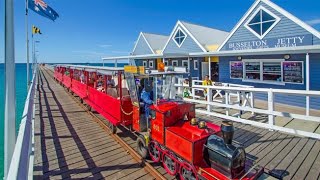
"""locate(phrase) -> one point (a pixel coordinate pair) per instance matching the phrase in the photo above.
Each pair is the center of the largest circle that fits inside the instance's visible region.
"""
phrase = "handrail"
(21, 159)
(245, 103)
(282, 91)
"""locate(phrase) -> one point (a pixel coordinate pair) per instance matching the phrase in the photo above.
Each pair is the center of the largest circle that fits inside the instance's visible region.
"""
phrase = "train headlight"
(194, 121)
(202, 125)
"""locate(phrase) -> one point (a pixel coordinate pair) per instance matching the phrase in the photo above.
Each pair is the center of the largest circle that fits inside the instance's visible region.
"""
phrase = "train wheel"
(141, 147)
(169, 165)
(154, 152)
(81, 100)
(187, 174)
(112, 127)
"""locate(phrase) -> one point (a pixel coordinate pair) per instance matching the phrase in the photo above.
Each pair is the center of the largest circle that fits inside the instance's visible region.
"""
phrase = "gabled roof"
(154, 41)
(203, 36)
(277, 8)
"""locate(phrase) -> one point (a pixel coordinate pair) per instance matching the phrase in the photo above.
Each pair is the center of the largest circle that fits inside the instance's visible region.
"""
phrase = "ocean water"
(21, 94)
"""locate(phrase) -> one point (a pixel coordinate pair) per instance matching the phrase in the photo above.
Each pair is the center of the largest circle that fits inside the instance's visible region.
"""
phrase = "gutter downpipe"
(209, 67)
(10, 87)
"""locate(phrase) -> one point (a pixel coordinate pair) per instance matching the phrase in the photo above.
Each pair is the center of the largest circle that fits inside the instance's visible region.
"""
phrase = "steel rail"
(147, 166)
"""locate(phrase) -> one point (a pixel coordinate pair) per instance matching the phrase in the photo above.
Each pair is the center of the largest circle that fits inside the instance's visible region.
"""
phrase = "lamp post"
(10, 87)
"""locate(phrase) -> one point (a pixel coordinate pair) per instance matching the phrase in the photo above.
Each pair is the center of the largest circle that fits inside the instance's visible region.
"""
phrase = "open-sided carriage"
(102, 88)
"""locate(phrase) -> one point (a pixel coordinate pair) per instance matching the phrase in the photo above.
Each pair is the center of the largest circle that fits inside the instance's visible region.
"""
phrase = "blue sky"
(90, 29)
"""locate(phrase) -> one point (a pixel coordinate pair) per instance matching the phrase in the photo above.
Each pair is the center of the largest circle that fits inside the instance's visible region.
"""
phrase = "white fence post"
(270, 107)
(227, 102)
(251, 101)
(209, 98)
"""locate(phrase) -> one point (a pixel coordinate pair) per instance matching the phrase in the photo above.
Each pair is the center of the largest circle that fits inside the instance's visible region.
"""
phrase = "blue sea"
(21, 93)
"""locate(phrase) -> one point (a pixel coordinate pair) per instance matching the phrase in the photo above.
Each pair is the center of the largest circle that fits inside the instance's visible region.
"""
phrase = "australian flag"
(40, 7)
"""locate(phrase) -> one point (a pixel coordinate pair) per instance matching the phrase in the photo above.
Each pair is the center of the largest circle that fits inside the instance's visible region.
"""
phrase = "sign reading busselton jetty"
(290, 41)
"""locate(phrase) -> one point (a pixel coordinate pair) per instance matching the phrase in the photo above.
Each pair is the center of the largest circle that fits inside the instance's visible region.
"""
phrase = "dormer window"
(179, 37)
(261, 22)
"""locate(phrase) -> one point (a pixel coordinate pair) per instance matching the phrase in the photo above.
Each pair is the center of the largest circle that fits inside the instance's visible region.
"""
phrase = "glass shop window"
(252, 71)
(272, 71)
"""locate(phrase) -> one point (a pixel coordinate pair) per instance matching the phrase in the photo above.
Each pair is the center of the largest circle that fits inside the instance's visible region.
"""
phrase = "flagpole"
(10, 87)
(32, 53)
(27, 44)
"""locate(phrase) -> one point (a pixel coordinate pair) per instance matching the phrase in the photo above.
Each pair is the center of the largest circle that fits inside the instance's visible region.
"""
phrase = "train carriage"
(110, 98)
(58, 73)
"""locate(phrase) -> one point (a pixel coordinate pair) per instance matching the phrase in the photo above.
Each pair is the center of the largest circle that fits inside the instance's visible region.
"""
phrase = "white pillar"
(116, 63)
(10, 87)
(307, 84)
(210, 67)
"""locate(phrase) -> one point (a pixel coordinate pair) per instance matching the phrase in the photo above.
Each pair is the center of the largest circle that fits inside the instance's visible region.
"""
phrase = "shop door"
(215, 71)
(204, 69)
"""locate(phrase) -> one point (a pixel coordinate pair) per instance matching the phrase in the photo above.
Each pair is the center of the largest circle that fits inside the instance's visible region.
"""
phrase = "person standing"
(206, 82)
(147, 99)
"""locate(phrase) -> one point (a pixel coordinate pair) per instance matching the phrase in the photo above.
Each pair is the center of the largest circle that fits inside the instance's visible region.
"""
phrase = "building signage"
(289, 41)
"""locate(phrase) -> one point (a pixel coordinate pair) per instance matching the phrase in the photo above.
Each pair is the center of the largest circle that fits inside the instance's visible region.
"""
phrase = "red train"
(187, 148)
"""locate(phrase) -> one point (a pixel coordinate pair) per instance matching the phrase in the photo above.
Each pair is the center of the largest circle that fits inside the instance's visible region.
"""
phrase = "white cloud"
(313, 22)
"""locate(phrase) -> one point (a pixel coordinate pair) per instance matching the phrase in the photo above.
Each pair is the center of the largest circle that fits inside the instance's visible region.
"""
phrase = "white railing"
(21, 166)
(244, 103)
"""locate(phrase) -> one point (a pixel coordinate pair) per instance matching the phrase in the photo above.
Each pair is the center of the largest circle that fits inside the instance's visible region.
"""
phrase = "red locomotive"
(172, 135)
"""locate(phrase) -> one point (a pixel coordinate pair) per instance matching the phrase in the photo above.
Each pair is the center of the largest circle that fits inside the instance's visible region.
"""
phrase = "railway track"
(123, 136)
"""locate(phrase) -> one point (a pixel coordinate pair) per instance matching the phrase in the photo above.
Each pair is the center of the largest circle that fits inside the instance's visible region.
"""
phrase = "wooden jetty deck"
(68, 144)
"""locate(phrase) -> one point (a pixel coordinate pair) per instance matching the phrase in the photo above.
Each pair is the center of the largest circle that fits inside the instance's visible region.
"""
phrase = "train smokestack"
(227, 130)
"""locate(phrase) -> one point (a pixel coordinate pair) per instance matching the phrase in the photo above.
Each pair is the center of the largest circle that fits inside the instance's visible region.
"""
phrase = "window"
(166, 63)
(195, 65)
(263, 70)
(272, 71)
(293, 72)
(252, 70)
(179, 37)
(236, 69)
(150, 64)
(185, 64)
(261, 22)
(144, 63)
(175, 63)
